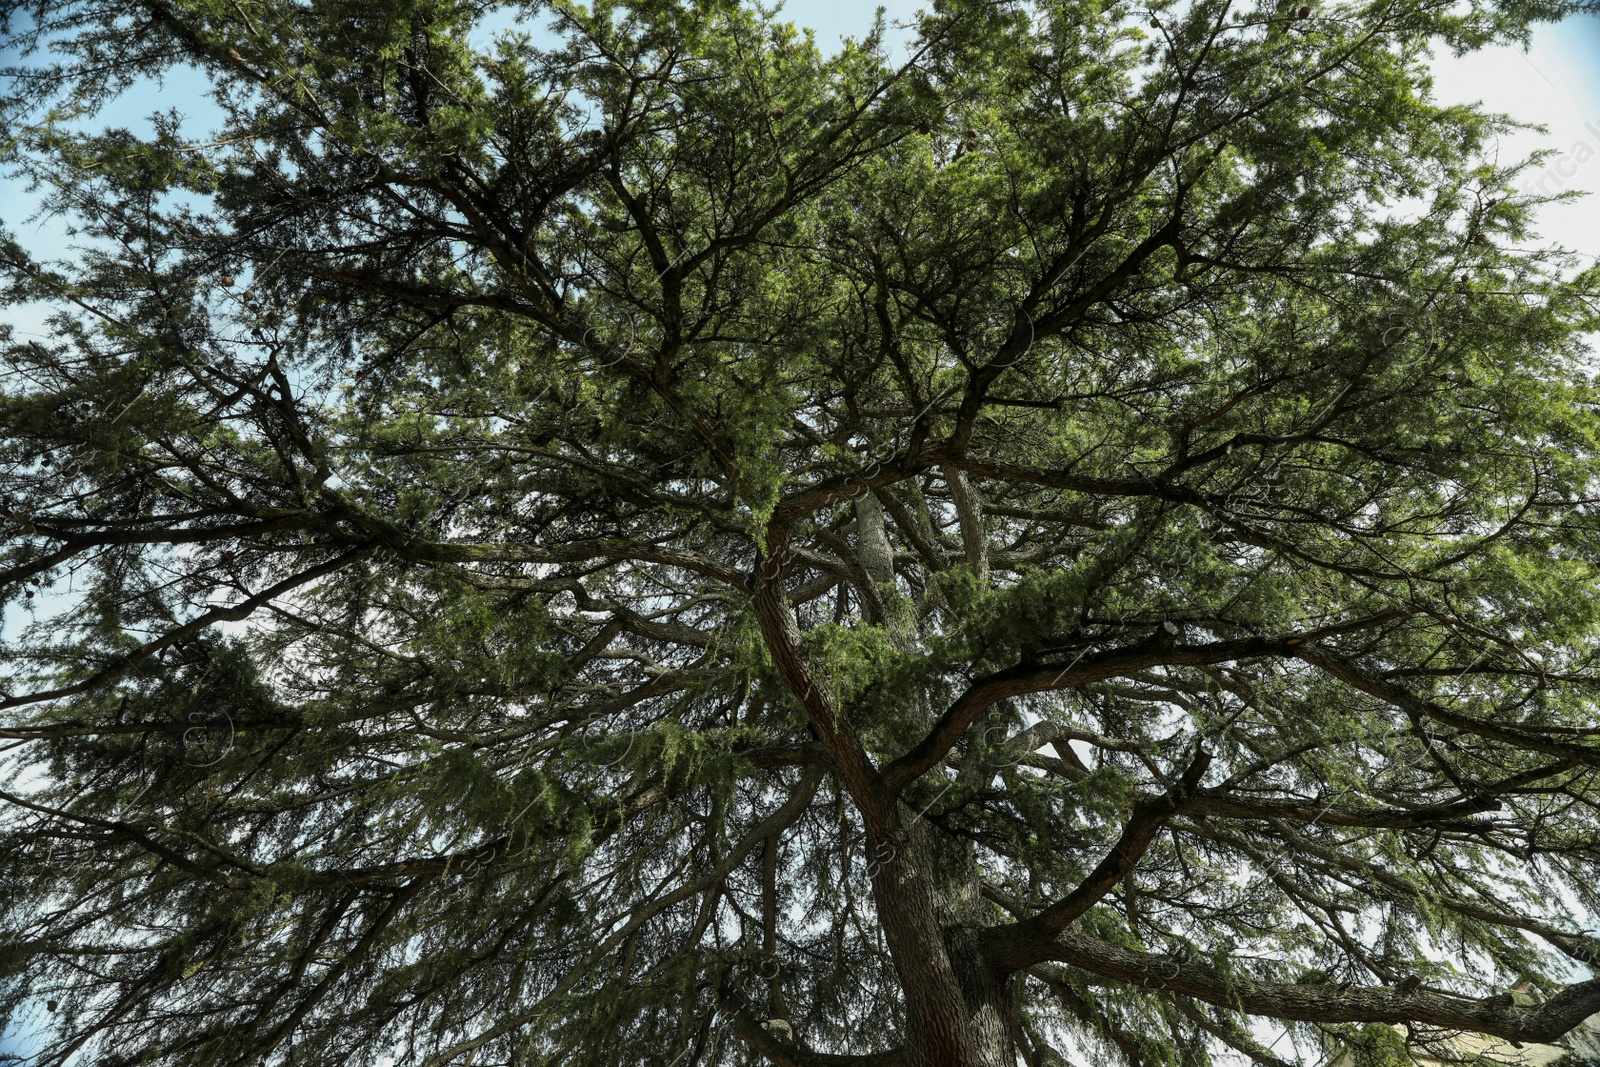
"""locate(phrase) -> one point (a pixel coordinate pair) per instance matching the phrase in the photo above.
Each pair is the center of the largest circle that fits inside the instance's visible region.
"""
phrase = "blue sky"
(1557, 83)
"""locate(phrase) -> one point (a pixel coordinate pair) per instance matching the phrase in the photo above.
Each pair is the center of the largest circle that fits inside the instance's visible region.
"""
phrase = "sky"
(1555, 83)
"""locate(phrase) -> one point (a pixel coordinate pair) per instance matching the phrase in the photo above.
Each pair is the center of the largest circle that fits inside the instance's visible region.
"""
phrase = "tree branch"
(749, 1030)
(1543, 1022)
(1029, 678)
(1016, 946)
(1356, 678)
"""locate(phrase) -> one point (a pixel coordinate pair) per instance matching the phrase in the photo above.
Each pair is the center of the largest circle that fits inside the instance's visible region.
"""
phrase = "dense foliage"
(619, 536)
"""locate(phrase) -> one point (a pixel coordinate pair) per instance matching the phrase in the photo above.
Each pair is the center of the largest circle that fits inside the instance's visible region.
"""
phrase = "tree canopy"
(619, 535)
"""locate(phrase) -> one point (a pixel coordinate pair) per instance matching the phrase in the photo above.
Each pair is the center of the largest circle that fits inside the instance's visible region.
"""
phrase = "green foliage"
(1374, 1045)
(445, 618)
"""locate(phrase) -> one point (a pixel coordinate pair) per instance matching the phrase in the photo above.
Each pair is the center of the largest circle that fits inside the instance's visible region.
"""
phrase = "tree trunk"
(957, 1006)
(988, 999)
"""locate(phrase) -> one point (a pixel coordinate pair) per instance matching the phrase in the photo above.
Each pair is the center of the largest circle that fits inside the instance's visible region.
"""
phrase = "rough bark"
(1496, 1015)
(969, 512)
(958, 1011)
(876, 557)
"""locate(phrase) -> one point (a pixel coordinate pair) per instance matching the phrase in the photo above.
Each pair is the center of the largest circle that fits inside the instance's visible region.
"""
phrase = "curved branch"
(833, 729)
(779, 1053)
(1033, 678)
(229, 614)
(1019, 945)
(1029, 678)
(1356, 678)
(1496, 1015)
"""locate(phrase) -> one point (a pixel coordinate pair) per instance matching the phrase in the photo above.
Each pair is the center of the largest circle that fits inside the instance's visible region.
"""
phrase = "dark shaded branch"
(1453, 816)
(1393, 695)
(780, 1053)
(198, 623)
(1031, 678)
(833, 729)
(1543, 1022)
(575, 552)
(1028, 678)
(1016, 946)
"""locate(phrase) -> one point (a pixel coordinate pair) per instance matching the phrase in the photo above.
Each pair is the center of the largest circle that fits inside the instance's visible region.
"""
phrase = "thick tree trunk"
(988, 998)
(958, 1012)
(956, 1008)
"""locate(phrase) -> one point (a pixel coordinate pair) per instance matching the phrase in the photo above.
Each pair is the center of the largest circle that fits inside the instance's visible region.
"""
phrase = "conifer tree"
(617, 535)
